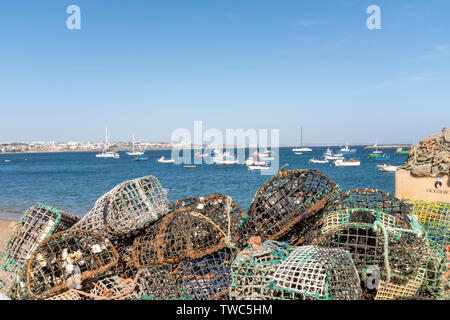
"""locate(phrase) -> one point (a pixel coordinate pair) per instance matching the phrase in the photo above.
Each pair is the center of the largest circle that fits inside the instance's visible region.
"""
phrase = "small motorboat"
(347, 163)
(190, 167)
(313, 160)
(254, 162)
(164, 160)
(401, 151)
(299, 153)
(7, 160)
(387, 168)
(226, 162)
(140, 158)
(260, 167)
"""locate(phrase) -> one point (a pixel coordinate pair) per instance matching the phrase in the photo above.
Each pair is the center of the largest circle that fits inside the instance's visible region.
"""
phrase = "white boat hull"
(341, 163)
(252, 168)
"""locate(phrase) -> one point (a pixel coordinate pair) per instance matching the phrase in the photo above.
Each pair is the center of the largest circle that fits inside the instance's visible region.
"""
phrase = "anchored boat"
(164, 160)
(106, 153)
(301, 148)
(313, 160)
(347, 163)
(135, 152)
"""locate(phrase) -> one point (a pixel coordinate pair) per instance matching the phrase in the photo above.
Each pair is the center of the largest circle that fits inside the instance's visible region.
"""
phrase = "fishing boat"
(336, 156)
(313, 160)
(135, 152)
(164, 160)
(347, 150)
(347, 163)
(301, 148)
(106, 153)
(387, 168)
(140, 158)
(328, 153)
(401, 151)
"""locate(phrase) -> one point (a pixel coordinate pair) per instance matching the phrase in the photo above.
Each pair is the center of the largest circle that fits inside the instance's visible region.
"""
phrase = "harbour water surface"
(74, 181)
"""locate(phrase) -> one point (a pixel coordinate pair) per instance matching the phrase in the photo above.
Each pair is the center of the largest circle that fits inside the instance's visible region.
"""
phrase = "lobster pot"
(435, 217)
(318, 273)
(158, 282)
(206, 278)
(38, 223)
(285, 200)
(126, 209)
(67, 259)
(189, 233)
(373, 242)
(253, 269)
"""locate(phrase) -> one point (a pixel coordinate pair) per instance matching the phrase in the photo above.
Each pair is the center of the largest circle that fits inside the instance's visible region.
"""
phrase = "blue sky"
(150, 67)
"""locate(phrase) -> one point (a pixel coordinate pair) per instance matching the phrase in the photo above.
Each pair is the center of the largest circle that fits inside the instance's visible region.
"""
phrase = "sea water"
(74, 181)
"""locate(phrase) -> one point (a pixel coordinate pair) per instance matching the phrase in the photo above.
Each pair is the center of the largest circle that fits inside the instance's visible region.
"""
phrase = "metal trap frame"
(127, 208)
(190, 232)
(66, 260)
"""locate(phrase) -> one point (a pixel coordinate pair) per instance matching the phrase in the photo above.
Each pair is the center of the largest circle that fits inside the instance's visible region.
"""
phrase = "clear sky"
(151, 66)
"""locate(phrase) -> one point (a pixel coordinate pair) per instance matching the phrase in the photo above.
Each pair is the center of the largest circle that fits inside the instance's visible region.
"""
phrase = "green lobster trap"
(278, 271)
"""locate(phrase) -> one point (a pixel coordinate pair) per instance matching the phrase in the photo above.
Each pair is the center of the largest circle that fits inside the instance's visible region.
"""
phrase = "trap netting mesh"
(158, 282)
(285, 200)
(212, 224)
(127, 208)
(206, 278)
(319, 273)
(9, 274)
(277, 271)
(66, 260)
(105, 287)
(125, 267)
(38, 223)
(435, 218)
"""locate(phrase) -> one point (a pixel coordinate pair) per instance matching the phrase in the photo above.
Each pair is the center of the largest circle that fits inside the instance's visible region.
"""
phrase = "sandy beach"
(5, 227)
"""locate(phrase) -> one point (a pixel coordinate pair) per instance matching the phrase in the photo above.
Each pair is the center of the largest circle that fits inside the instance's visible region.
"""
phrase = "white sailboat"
(135, 152)
(106, 153)
(301, 148)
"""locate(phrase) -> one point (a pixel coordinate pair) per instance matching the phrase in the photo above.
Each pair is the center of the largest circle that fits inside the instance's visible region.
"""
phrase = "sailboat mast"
(301, 136)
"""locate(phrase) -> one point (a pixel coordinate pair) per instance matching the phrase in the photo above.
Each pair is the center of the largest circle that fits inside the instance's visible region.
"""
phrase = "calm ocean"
(74, 181)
